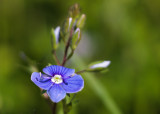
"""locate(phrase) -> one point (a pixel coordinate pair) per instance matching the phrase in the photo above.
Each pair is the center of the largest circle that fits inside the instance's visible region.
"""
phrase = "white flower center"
(57, 79)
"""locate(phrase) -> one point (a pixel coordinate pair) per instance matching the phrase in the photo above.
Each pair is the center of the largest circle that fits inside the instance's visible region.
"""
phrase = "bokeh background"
(127, 32)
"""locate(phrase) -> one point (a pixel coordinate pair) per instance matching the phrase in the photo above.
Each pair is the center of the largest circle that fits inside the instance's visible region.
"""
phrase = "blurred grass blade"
(59, 108)
(98, 88)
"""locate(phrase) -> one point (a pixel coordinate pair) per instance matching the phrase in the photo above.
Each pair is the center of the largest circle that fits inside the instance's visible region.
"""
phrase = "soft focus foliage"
(123, 31)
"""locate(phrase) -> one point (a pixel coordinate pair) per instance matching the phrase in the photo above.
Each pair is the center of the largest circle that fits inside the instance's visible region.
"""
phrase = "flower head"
(58, 81)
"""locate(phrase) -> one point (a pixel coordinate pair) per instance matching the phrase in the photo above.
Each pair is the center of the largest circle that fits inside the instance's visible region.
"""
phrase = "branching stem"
(67, 47)
(70, 55)
(55, 57)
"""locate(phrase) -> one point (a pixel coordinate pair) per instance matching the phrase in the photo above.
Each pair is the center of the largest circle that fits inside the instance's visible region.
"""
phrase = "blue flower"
(58, 81)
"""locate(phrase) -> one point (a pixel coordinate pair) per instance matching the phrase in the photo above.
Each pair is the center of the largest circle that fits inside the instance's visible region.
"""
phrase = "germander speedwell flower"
(58, 81)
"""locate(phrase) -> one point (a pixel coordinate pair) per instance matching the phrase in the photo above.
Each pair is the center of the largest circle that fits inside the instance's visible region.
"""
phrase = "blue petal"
(56, 93)
(55, 69)
(73, 84)
(41, 80)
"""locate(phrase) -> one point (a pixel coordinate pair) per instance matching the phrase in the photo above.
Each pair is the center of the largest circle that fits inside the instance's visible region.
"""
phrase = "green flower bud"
(98, 66)
(81, 21)
(76, 39)
(55, 37)
(74, 11)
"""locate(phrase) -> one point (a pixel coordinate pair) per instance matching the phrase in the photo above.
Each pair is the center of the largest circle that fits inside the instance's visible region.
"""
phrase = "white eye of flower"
(101, 65)
(57, 79)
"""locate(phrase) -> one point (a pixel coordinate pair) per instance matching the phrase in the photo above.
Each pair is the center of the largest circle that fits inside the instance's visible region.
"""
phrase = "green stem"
(81, 71)
(55, 57)
(54, 108)
(67, 47)
(73, 97)
(64, 106)
(70, 55)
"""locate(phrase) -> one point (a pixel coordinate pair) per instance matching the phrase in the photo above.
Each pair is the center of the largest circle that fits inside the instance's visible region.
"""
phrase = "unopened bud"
(70, 21)
(98, 66)
(81, 21)
(55, 36)
(76, 39)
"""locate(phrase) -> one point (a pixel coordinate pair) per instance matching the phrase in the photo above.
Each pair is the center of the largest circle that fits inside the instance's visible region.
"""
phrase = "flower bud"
(74, 11)
(70, 22)
(67, 26)
(76, 38)
(55, 37)
(81, 21)
(98, 66)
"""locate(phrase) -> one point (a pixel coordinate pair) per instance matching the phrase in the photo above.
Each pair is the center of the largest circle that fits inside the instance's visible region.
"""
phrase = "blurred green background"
(127, 32)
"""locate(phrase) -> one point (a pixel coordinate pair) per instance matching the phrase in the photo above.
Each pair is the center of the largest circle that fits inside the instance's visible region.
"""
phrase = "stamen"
(57, 79)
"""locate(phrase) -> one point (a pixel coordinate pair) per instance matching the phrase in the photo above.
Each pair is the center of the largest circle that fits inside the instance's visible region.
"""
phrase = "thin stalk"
(73, 97)
(55, 57)
(54, 108)
(81, 71)
(64, 106)
(70, 55)
(67, 47)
